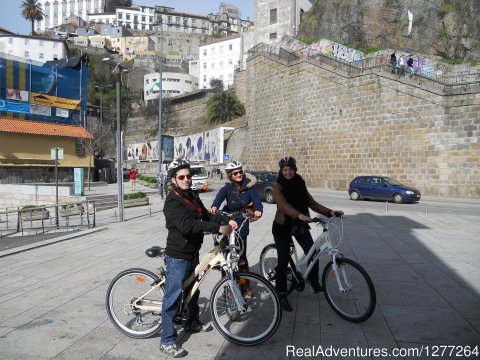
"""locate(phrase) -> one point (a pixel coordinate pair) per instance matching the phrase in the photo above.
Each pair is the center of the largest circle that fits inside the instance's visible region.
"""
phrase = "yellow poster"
(48, 100)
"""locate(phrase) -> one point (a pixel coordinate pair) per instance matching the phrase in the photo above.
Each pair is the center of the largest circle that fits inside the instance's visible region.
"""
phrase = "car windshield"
(393, 182)
(271, 176)
(198, 172)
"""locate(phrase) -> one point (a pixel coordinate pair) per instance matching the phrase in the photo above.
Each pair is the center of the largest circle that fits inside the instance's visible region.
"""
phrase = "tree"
(216, 85)
(224, 107)
(31, 10)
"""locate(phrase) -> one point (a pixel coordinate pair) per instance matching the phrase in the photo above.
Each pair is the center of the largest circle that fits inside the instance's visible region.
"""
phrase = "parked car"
(382, 188)
(125, 173)
(264, 186)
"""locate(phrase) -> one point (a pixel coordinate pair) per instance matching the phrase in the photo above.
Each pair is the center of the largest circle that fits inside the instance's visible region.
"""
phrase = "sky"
(11, 18)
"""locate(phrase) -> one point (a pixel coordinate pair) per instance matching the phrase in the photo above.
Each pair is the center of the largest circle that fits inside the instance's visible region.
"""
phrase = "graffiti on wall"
(331, 49)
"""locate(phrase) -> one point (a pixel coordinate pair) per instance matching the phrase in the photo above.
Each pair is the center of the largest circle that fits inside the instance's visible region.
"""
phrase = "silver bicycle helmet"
(231, 166)
(176, 165)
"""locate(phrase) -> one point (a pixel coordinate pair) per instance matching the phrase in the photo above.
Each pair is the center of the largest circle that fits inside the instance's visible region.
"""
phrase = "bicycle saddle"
(155, 251)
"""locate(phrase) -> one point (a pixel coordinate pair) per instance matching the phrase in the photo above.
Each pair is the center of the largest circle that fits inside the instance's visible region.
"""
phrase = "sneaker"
(316, 287)
(197, 326)
(173, 350)
(285, 304)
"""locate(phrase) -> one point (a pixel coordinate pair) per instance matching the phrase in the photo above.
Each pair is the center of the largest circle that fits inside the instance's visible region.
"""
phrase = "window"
(204, 51)
(150, 19)
(54, 45)
(10, 40)
(221, 49)
(120, 15)
(212, 65)
(40, 56)
(230, 76)
(27, 54)
(230, 47)
(230, 62)
(204, 66)
(221, 64)
(212, 51)
(79, 148)
(273, 36)
(144, 18)
(41, 43)
(273, 16)
(127, 16)
(204, 78)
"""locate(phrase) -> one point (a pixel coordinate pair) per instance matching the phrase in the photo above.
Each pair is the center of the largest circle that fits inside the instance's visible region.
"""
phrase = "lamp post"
(159, 12)
(101, 88)
(117, 69)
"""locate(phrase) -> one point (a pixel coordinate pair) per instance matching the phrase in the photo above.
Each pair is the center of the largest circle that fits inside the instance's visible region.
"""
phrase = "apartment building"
(173, 83)
(33, 48)
(218, 60)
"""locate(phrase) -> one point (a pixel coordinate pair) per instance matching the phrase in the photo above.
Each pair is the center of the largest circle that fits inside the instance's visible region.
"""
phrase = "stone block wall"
(340, 124)
(13, 196)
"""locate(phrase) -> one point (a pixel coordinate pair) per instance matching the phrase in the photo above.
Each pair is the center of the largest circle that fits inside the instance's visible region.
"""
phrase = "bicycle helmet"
(176, 165)
(288, 161)
(231, 166)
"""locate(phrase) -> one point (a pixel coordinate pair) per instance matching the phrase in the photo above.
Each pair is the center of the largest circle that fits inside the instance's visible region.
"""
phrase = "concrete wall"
(13, 196)
(342, 123)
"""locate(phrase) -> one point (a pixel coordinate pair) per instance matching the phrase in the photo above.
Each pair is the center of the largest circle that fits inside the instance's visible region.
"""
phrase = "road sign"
(226, 156)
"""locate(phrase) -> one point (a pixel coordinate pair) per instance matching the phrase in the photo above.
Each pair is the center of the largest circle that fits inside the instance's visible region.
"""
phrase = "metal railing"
(43, 219)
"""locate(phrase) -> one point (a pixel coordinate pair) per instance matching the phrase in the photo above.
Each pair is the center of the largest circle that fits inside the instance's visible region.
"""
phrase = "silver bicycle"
(347, 286)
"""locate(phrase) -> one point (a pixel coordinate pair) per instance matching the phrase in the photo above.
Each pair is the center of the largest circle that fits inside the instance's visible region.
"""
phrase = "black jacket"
(186, 220)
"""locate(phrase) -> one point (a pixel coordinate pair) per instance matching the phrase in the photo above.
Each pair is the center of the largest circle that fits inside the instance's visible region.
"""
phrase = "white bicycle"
(347, 286)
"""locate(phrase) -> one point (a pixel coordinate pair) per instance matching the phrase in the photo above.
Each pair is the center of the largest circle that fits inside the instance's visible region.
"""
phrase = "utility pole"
(158, 10)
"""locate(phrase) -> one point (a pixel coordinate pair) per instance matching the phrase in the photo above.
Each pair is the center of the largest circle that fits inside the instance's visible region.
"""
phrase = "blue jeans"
(177, 271)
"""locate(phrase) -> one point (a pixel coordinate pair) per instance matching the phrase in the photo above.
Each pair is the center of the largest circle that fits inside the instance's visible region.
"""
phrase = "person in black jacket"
(186, 220)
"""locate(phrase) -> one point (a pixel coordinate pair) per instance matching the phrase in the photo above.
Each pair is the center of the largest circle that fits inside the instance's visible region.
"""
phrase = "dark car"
(126, 174)
(382, 188)
(264, 186)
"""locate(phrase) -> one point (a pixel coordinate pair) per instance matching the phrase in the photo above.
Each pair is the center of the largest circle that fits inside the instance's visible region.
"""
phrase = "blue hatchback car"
(382, 188)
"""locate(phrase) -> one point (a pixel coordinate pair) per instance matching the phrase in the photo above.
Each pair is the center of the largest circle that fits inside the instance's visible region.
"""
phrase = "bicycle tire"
(261, 319)
(125, 287)
(268, 262)
(358, 302)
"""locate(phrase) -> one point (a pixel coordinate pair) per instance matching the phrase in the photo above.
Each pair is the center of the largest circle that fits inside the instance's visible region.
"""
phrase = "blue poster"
(15, 107)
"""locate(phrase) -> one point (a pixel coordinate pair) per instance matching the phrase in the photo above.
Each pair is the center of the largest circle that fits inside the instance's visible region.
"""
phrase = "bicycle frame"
(213, 258)
(321, 244)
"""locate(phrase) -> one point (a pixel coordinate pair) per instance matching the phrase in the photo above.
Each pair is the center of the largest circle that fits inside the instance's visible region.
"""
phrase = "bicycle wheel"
(262, 317)
(125, 288)
(357, 302)
(268, 263)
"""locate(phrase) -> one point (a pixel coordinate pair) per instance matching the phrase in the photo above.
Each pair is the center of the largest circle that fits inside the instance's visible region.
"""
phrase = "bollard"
(115, 215)
(386, 206)
(426, 208)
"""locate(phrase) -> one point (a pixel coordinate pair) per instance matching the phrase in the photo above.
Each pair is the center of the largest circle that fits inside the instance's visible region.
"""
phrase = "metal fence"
(47, 218)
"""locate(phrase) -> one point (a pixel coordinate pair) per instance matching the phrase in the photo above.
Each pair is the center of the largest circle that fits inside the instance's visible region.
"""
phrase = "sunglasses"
(182, 177)
(239, 172)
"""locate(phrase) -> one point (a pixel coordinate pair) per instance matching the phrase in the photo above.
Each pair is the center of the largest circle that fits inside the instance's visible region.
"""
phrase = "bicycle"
(134, 297)
(347, 286)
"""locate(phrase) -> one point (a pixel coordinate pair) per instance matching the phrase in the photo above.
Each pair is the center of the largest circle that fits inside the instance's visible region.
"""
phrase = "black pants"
(282, 239)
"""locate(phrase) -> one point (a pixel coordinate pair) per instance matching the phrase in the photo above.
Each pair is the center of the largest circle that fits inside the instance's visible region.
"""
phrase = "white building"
(218, 60)
(173, 83)
(33, 48)
(103, 18)
(58, 11)
(276, 18)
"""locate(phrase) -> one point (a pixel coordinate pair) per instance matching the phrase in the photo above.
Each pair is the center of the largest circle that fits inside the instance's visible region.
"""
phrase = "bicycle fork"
(340, 276)
(237, 295)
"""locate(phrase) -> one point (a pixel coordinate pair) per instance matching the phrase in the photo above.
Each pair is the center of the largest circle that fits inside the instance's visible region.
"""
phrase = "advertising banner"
(55, 101)
(20, 95)
(62, 112)
(40, 110)
(14, 107)
(206, 146)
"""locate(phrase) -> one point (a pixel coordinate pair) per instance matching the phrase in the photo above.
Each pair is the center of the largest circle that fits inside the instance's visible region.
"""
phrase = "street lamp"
(117, 69)
(159, 23)
(101, 88)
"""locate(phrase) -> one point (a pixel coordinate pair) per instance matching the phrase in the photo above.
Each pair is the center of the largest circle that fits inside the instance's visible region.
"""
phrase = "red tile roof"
(17, 126)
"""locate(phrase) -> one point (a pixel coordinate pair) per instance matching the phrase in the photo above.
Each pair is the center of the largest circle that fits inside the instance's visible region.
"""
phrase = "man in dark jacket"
(186, 219)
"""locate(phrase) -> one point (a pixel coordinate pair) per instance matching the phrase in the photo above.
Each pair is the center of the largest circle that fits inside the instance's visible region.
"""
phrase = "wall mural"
(148, 150)
(205, 146)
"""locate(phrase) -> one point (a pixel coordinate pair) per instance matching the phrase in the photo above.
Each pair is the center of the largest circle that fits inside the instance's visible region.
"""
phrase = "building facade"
(33, 48)
(173, 83)
(276, 18)
(57, 12)
(219, 60)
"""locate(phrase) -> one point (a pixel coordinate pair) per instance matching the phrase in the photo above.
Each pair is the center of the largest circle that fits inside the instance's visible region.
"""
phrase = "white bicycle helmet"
(176, 165)
(231, 166)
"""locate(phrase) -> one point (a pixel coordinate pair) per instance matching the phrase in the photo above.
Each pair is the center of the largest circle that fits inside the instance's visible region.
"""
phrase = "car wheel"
(398, 199)
(354, 195)
(269, 196)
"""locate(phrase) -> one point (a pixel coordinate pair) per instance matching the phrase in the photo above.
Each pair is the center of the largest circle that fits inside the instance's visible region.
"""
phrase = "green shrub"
(135, 195)
(446, 9)
(370, 49)
(152, 180)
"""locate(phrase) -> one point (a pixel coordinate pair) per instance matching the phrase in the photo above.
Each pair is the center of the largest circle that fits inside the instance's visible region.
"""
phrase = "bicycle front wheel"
(123, 291)
(268, 267)
(356, 301)
(261, 318)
